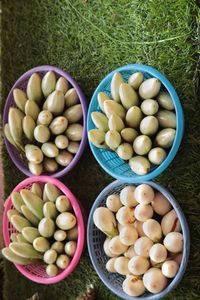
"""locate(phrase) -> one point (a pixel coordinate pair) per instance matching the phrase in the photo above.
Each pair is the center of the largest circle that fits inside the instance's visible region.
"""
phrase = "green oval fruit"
(48, 83)
(52, 270)
(136, 79)
(33, 154)
(25, 250)
(19, 222)
(73, 147)
(139, 165)
(30, 233)
(17, 201)
(41, 244)
(21, 239)
(52, 192)
(15, 118)
(165, 101)
(50, 165)
(8, 135)
(61, 141)
(74, 132)
(58, 247)
(55, 102)
(20, 98)
(33, 202)
(129, 134)
(71, 97)
(149, 107)
(165, 137)
(16, 259)
(58, 125)
(157, 155)
(116, 81)
(12, 212)
(128, 95)
(125, 151)
(13, 237)
(166, 119)
(41, 133)
(115, 123)
(149, 88)
(60, 235)
(66, 221)
(63, 204)
(133, 117)
(36, 189)
(32, 109)
(112, 107)
(64, 158)
(142, 144)
(62, 261)
(149, 125)
(97, 138)
(102, 97)
(49, 210)
(113, 139)
(35, 169)
(50, 150)
(74, 113)
(34, 89)
(45, 117)
(28, 127)
(70, 248)
(46, 227)
(50, 256)
(62, 85)
(29, 215)
(99, 120)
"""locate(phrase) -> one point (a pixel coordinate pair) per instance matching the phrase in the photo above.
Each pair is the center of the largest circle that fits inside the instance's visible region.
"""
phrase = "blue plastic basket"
(95, 239)
(109, 160)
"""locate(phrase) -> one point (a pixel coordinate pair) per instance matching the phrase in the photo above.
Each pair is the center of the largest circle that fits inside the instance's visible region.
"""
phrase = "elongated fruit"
(33, 202)
(19, 222)
(29, 215)
(25, 250)
(28, 127)
(20, 98)
(30, 233)
(17, 201)
(34, 90)
(36, 189)
(105, 220)
(15, 118)
(16, 259)
(51, 191)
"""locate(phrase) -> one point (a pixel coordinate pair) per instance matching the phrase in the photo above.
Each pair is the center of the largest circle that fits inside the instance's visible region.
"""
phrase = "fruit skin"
(70, 248)
(128, 96)
(20, 98)
(165, 137)
(36, 189)
(116, 81)
(16, 259)
(32, 109)
(112, 107)
(66, 221)
(41, 244)
(52, 270)
(50, 256)
(115, 123)
(133, 286)
(35, 169)
(129, 134)
(58, 125)
(52, 192)
(140, 165)
(49, 210)
(113, 139)
(29, 215)
(48, 83)
(170, 222)
(64, 158)
(165, 101)
(71, 97)
(166, 119)
(142, 144)
(154, 281)
(33, 154)
(100, 120)
(58, 247)
(46, 227)
(19, 222)
(125, 151)
(63, 261)
(149, 107)
(105, 220)
(42, 133)
(62, 85)
(75, 132)
(34, 89)
(134, 117)
(28, 127)
(102, 97)
(17, 201)
(55, 102)
(9, 137)
(60, 235)
(15, 118)
(149, 88)
(50, 150)
(44, 118)
(136, 79)
(30, 233)
(33, 202)
(25, 250)
(74, 113)
(50, 165)
(157, 155)
(97, 138)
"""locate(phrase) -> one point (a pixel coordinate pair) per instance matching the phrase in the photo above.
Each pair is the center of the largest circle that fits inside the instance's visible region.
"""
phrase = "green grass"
(89, 39)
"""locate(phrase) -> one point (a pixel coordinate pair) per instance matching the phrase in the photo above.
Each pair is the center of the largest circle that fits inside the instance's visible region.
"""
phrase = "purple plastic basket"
(22, 83)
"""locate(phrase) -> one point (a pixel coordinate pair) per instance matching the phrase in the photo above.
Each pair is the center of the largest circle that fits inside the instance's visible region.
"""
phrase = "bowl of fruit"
(138, 240)
(135, 123)
(43, 229)
(45, 122)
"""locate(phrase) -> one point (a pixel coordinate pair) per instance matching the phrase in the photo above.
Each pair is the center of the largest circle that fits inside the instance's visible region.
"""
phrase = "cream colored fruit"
(143, 212)
(154, 281)
(133, 286)
(142, 246)
(127, 196)
(113, 202)
(138, 265)
(125, 215)
(128, 235)
(160, 204)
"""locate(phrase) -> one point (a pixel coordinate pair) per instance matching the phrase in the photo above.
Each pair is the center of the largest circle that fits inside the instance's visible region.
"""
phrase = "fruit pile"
(138, 123)
(46, 228)
(144, 240)
(45, 125)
